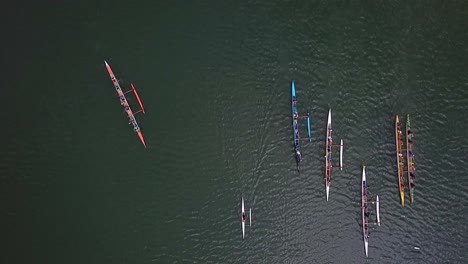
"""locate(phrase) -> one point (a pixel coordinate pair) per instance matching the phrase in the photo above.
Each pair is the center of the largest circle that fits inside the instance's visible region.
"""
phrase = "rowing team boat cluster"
(364, 210)
(328, 146)
(297, 148)
(329, 166)
(410, 170)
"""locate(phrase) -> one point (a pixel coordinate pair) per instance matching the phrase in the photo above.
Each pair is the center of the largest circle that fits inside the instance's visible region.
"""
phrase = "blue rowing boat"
(296, 117)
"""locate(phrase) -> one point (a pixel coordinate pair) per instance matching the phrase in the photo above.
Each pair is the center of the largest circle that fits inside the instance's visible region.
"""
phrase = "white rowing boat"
(365, 228)
(244, 218)
(364, 209)
(328, 155)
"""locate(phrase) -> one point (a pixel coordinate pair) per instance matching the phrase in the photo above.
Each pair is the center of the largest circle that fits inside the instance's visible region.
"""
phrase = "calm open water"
(78, 187)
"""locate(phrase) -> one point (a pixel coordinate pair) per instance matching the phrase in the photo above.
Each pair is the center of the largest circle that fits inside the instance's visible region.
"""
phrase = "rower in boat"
(298, 156)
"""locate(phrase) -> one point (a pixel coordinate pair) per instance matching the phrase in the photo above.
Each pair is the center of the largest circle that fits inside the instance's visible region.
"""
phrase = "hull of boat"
(242, 219)
(365, 230)
(328, 155)
(400, 162)
(128, 109)
(295, 125)
(410, 158)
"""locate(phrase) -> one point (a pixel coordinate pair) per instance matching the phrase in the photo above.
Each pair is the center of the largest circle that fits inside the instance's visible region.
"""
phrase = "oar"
(371, 223)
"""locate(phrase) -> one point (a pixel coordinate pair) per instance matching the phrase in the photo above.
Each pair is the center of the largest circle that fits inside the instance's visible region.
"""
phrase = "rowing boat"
(328, 155)
(365, 210)
(295, 116)
(244, 218)
(365, 225)
(295, 124)
(410, 157)
(124, 103)
(400, 162)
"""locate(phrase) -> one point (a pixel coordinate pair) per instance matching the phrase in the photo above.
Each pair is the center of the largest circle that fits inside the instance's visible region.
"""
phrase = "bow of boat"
(109, 70)
(366, 246)
(142, 139)
(363, 174)
(293, 89)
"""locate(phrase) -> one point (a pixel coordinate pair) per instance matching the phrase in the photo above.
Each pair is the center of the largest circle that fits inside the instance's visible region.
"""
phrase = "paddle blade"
(377, 208)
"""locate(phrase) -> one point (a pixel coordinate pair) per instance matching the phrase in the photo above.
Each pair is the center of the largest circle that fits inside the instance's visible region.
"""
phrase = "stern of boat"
(327, 189)
(402, 197)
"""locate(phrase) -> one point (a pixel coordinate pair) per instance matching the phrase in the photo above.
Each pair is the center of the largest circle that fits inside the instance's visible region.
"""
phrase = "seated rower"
(298, 156)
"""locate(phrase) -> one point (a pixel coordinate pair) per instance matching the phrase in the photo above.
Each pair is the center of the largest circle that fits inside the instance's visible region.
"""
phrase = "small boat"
(410, 158)
(124, 103)
(365, 227)
(296, 117)
(244, 218)
(400, 160)
(365, 212)
(328, 154)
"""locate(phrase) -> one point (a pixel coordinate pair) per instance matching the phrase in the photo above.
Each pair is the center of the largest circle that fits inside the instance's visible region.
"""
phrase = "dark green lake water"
(77, 186)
